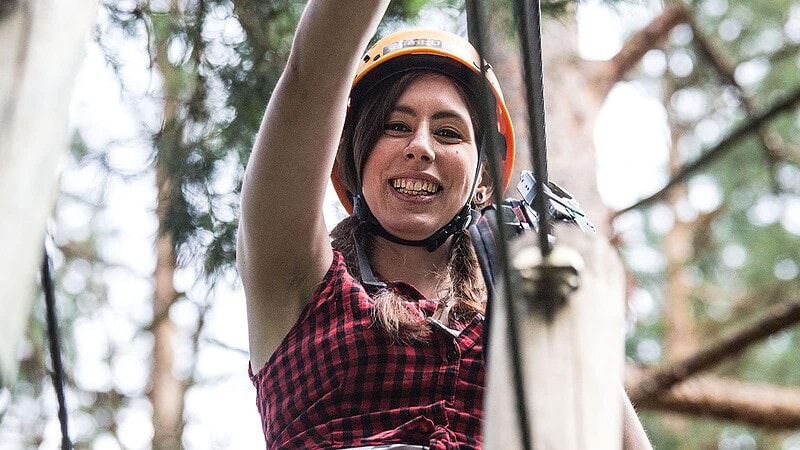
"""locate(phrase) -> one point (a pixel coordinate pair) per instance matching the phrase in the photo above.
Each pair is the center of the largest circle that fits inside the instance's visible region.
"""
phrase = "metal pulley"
(544, 283)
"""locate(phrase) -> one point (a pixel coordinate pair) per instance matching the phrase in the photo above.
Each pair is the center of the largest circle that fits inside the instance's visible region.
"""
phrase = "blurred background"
(673, 123)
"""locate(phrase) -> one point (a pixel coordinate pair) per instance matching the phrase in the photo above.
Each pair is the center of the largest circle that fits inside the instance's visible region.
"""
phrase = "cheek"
(466, 166)
(377, 162)
(382, 151)
(373, 161)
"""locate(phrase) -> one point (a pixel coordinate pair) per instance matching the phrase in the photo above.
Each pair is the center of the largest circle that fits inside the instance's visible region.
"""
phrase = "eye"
(396, 128)
(449, 135)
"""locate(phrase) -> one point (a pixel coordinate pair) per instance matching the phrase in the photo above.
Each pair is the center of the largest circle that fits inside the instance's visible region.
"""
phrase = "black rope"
(55, 350)
(529, 15)
(477, 37)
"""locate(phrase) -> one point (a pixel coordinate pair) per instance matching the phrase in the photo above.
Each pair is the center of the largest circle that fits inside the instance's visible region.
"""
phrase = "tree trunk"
(40, 54)
(167, 391)
(679, 341)
(571, 105)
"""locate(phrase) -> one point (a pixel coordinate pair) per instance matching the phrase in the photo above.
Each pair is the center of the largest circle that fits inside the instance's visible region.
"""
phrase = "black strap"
(483, 240)
(460, 222)
(485, 245)
(368, 280)
(55, 350)
(484, 233)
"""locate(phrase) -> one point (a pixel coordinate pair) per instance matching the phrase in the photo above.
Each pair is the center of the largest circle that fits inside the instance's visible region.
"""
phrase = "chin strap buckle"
(460, 222)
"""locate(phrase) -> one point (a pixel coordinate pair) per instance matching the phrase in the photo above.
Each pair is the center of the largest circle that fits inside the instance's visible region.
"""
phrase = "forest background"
(682, 113)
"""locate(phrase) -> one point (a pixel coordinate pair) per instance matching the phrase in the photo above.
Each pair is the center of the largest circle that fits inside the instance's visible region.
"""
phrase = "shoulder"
(338, 296)
(338, 292)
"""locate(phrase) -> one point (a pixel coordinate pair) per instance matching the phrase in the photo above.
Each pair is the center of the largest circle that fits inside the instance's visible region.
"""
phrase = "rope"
(477, 37)
(529, 27)
(55, 350)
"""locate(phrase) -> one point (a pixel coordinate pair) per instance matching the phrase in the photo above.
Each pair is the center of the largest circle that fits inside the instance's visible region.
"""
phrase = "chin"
(410, 229)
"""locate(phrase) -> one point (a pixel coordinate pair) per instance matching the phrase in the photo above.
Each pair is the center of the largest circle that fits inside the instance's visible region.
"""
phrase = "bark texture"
(167, 391)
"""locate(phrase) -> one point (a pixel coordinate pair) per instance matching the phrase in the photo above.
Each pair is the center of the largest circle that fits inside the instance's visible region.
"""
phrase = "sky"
(631, 141)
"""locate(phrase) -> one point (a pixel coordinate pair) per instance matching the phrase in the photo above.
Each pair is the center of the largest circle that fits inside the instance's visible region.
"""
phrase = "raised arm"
(283, 245)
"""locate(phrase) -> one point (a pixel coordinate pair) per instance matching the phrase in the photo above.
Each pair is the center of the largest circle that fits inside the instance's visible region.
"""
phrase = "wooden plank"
(573, 366)
(41, 51)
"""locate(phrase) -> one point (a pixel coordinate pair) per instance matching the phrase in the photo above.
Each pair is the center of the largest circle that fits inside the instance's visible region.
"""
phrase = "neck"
(414, 265)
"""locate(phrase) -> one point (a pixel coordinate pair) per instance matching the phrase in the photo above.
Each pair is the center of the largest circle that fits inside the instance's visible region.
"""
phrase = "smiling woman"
(418, 179)
(372, 336)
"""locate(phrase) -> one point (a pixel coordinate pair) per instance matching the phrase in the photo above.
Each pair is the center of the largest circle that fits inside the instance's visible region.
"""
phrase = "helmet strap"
(460, 222)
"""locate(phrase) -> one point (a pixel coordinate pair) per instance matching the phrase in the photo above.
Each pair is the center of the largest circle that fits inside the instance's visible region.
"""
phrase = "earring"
(479, 197)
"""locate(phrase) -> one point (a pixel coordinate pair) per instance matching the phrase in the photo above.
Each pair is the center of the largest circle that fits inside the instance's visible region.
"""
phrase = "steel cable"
(55, 350)
(528, 21)
(529, 27)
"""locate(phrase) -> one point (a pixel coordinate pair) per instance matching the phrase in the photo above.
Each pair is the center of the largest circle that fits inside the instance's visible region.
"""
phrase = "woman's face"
(420, 172)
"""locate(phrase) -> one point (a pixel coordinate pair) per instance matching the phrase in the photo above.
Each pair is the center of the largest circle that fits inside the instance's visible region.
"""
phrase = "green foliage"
(744, 250)
(406, 8)
(215, 91)
(211, 67)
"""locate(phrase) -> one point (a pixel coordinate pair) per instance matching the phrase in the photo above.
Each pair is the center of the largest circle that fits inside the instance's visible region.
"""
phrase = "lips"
(414, 186)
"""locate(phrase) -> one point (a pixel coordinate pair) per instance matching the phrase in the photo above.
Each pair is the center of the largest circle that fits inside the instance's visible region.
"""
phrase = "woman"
(372, 337)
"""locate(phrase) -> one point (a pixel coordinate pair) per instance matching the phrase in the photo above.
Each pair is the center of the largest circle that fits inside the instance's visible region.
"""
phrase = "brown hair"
(461, 285)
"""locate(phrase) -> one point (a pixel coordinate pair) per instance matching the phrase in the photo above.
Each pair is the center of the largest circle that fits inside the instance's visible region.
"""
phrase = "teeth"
(415, 187)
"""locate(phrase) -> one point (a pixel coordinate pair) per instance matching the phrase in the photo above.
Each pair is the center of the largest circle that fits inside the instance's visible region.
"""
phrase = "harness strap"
(483, 240)
(484, 236)
(368, 280)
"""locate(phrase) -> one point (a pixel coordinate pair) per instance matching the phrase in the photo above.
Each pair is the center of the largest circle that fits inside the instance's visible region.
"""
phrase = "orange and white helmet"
(440, 51)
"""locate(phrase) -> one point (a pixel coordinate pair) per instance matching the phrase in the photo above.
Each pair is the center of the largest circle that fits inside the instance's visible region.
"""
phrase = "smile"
(410, 186)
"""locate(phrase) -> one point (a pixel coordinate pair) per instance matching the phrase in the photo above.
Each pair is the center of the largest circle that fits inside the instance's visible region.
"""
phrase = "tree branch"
(774, 151)
(638, 45)
(780, 317)
(733, 138)
(763, 406)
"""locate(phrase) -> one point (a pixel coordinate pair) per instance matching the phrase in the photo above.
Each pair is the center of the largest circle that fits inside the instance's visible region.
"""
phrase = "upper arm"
(283, 249)
(275, 298)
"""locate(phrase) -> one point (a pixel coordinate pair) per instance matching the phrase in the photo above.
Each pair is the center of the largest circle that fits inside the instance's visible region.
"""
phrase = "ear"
(484, 189)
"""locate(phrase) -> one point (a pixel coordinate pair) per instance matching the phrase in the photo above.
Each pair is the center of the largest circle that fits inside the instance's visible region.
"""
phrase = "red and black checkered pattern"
(338, 381)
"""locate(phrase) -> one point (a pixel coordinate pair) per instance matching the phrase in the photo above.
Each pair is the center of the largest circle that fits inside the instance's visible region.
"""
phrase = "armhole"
(312, 304)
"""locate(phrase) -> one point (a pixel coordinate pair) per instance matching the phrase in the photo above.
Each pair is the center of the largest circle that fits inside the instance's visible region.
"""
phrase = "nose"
(419, 147)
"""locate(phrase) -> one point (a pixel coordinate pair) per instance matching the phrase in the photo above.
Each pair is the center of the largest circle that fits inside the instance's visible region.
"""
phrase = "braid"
(343, 239)
(466, 286)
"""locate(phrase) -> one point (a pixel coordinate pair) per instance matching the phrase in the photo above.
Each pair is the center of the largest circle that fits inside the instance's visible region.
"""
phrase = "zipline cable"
(477, 37)
(529, 27)
(55, 350)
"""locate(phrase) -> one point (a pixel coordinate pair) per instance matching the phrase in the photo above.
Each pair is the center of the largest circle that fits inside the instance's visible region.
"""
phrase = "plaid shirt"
(338, 381)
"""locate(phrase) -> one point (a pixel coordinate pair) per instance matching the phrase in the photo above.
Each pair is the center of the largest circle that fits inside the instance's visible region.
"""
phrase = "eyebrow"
(444, 114)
